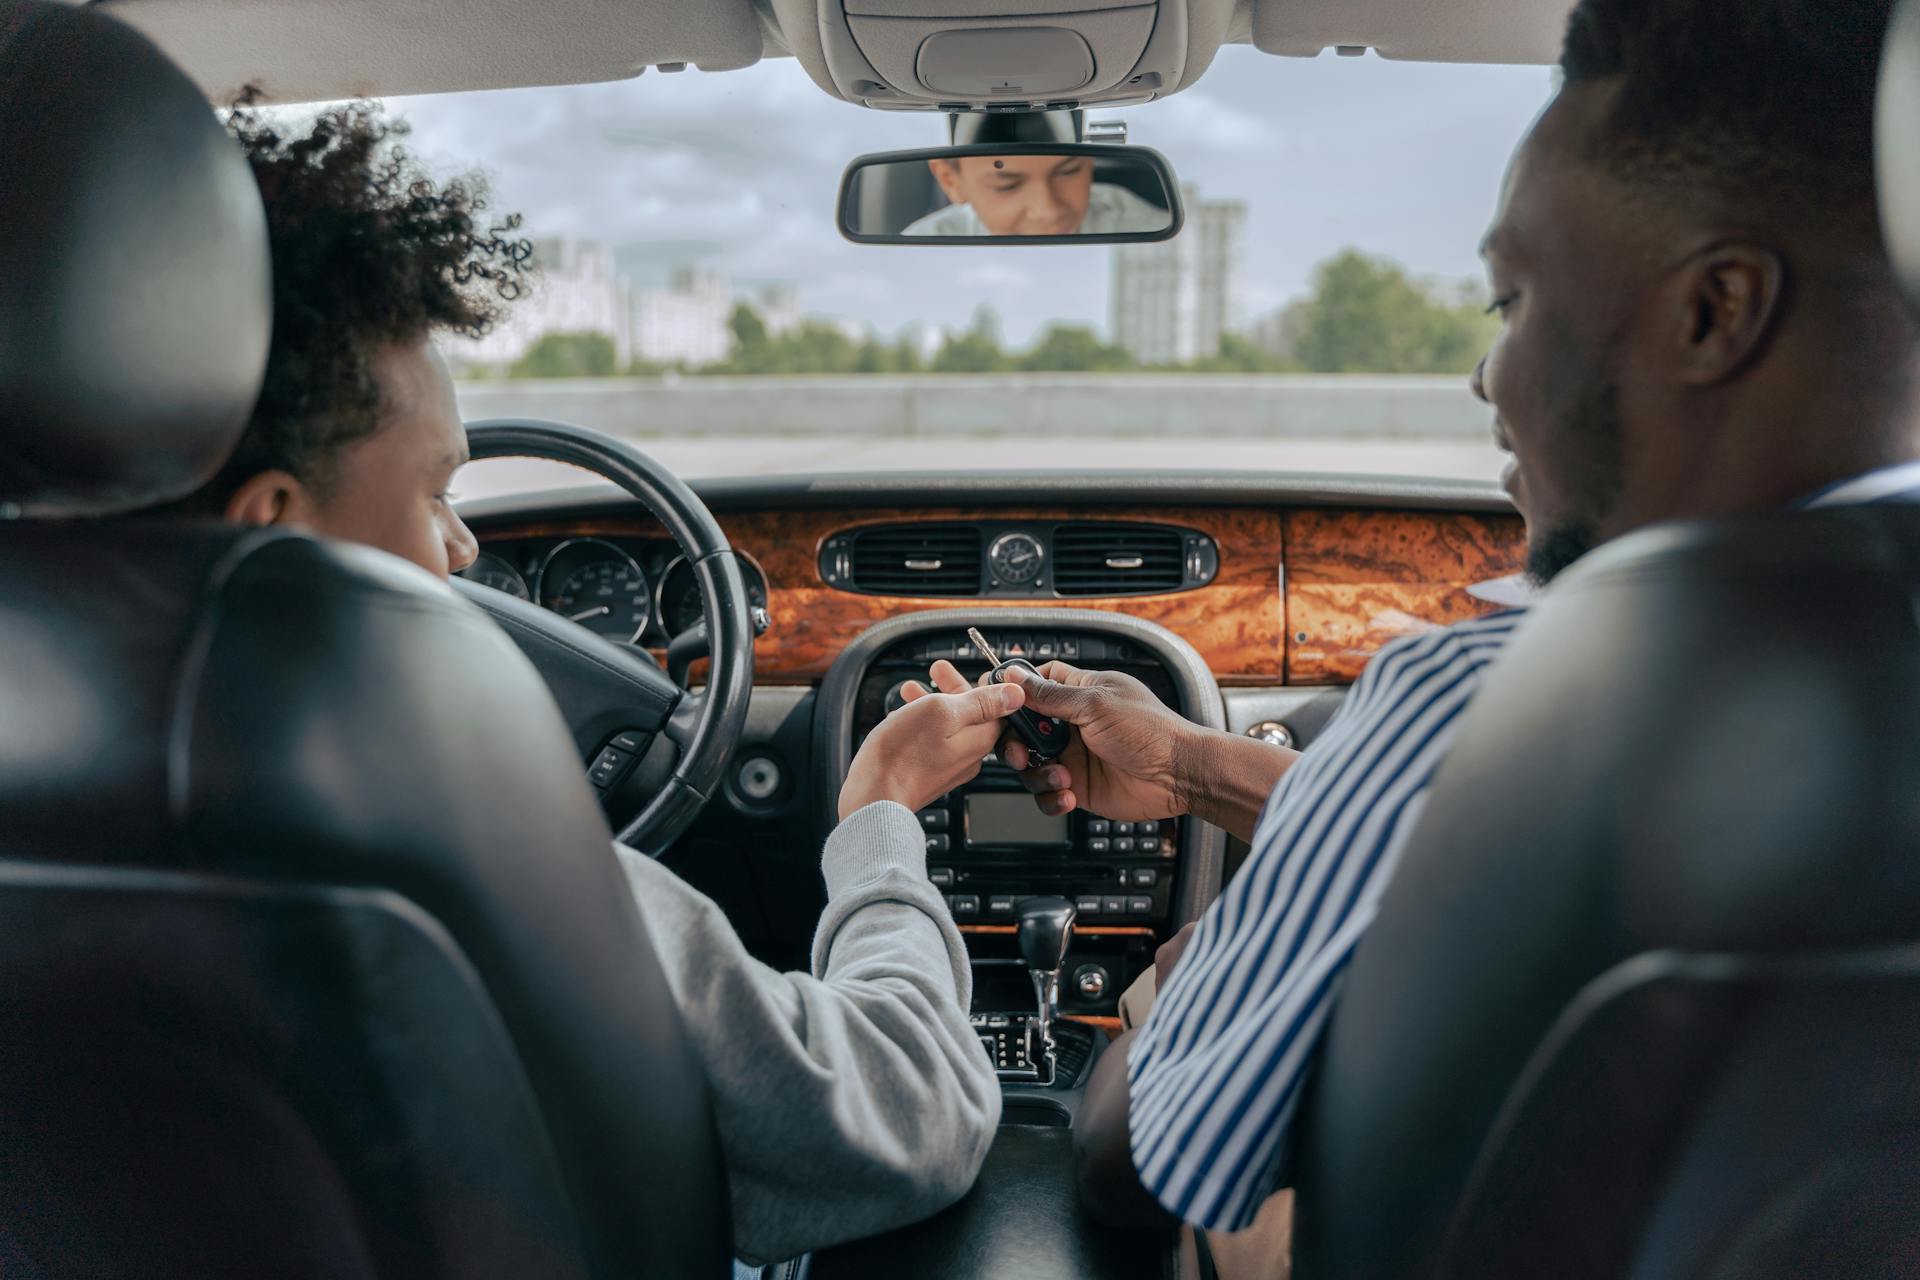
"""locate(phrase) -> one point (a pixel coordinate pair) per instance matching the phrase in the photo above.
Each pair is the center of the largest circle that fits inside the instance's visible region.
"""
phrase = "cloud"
(997, 276)
(740, 170)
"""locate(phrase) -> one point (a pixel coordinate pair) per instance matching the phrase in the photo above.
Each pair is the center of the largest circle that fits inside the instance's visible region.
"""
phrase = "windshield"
(1319, 312)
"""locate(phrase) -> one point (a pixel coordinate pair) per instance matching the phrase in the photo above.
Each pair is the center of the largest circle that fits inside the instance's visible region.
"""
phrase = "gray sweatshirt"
(853, 1099)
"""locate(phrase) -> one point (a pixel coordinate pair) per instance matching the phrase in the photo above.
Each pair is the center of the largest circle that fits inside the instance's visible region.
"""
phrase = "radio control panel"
(988, 844)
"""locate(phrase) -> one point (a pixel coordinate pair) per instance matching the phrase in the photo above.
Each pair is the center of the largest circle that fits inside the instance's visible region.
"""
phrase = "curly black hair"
(367, 251)
(1739, 105)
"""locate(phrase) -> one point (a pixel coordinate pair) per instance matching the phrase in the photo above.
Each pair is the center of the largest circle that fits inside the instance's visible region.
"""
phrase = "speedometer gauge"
(490, 570)
(597, 585)
(681, 606)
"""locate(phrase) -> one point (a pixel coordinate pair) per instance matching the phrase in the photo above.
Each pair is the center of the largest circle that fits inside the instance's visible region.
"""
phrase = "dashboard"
(1244, 602)
(1270, 596)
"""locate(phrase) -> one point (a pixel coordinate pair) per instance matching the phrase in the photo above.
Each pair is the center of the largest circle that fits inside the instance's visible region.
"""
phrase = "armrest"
(1022, 1218)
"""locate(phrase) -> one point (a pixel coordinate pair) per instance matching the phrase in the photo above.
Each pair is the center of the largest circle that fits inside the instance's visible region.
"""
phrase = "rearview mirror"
(1027, 193)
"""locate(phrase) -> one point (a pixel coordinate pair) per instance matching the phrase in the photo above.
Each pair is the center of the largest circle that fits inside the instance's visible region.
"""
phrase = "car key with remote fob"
(1045, 736)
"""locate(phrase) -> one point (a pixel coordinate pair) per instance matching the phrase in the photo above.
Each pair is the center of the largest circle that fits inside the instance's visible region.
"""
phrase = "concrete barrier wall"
(1038, 405)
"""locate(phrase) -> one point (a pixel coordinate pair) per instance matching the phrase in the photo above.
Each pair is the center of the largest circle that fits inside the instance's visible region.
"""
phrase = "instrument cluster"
(628, 590)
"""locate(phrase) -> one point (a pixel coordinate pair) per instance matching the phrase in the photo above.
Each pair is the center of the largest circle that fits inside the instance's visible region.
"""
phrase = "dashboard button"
(1087, 906)
(629, 740)
(1069, 648)
(1145, 877)
(1098, 844)
(607, 767)
(938, 844)
(934, 819)
(1146, 828)
(1123, 828)
(966, 904)
(1098, 826)
(1140, 906)
(1113, 906)
(1001, 904)
(1147, 844)
(942, 876)
(1123, 844)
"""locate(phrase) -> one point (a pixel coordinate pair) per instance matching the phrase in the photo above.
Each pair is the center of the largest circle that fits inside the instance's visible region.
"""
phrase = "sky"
(739, 170)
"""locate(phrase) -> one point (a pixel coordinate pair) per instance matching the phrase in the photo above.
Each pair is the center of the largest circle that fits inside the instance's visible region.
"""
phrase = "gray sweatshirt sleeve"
(853, 1099)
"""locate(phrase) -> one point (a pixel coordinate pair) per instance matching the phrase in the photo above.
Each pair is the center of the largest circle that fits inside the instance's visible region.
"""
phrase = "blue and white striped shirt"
(1215, 1073)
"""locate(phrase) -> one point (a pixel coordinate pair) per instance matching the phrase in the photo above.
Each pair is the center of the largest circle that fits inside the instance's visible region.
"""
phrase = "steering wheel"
(674, 743)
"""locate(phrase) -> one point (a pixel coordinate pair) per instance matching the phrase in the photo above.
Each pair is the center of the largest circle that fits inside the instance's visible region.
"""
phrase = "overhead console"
(1009, 55)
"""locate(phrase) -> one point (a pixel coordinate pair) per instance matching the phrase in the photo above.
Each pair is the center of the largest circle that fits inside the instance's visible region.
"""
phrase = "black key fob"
(1045, 736)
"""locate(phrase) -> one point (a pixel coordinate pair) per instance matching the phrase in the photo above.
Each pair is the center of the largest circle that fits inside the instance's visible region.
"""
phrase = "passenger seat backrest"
(1635, 999)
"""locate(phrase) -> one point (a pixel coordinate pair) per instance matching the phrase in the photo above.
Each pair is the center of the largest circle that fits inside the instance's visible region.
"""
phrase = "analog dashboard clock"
(1016, 558)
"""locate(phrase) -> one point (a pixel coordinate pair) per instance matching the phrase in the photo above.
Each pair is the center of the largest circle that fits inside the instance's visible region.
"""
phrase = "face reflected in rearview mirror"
(1033, 193)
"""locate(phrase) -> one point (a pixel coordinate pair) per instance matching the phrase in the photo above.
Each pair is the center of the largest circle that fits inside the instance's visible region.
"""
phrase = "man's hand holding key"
(1132, 758)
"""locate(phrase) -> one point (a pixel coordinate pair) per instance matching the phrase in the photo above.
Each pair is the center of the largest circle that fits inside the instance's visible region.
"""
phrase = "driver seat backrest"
(1643, 997)
(315, 959)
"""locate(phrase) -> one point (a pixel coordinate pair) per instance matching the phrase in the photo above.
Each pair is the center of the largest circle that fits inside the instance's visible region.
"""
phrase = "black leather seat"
(1644, 996)
(314, 957)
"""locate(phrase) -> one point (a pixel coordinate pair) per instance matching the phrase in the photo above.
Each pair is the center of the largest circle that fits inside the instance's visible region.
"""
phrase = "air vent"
(1117, 560)
(917, 560)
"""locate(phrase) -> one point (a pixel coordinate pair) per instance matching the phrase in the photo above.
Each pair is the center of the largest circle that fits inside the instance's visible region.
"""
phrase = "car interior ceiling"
(270, 1005)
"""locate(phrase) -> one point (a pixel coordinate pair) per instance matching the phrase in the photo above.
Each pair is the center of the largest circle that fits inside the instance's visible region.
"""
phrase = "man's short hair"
(367, 251)
(1739, 105)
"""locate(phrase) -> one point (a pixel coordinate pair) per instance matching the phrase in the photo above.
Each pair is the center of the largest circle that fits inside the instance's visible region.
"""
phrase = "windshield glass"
(1319, 311)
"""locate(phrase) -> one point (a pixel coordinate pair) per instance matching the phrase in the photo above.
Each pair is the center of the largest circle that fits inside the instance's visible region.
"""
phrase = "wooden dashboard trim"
(1353, 580)
(1091, 930)
(1356, 580)
(1235, 621)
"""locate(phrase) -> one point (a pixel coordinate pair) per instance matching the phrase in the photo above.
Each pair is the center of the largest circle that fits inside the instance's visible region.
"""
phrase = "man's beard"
(1562, 545)
(1592, 422)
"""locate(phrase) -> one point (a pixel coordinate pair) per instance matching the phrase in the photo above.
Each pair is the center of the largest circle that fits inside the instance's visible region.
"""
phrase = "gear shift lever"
(1046, 926)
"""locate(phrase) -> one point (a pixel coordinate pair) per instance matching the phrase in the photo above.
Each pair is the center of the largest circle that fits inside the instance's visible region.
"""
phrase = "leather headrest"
(1897, 141)
(135, 299)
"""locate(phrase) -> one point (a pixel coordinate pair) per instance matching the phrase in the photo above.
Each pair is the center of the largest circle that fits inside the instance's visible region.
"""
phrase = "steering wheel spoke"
(682, 725)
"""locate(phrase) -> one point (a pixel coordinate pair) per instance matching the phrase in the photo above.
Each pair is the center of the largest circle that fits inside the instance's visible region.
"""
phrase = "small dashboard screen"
(1012, 818)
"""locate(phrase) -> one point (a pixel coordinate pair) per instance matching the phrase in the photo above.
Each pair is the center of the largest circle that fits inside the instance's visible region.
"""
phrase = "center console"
(990, 849)
(1059, 916)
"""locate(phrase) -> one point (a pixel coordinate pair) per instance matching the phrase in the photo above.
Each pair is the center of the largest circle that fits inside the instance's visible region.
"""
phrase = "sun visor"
(1013, 54)
(1494, 31)
(376, 48)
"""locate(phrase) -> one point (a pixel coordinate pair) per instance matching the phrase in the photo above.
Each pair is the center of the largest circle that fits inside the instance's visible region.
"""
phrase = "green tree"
(568, 355)
(986, 324)
(1071, 348)
(906, 354)
(1366, 315)
(752, 347)
(1237, 355)
(814, 347)
(873, 357)
(971, 352)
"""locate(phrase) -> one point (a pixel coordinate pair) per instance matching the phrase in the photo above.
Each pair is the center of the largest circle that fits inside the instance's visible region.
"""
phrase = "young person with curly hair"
(849, 1100)
(356, 434)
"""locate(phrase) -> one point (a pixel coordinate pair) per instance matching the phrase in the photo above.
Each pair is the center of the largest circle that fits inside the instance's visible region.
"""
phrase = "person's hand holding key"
(1124, 757)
